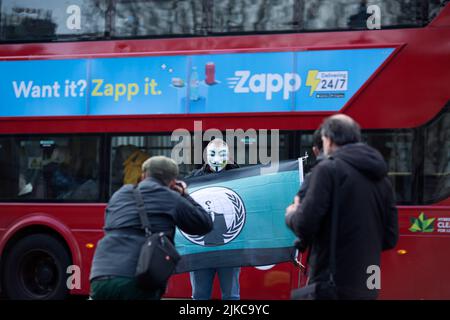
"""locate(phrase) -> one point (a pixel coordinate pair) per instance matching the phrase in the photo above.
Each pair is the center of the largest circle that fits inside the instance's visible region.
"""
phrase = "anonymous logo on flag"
(227, 211)
(247, 206)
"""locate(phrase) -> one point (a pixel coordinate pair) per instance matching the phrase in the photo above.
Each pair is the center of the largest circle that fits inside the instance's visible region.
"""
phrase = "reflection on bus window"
(50, 168)
(434, 7)
(59, 174)
(25, 187)
(437, 159)
(52, 19)
(128, 153)
(130, 158)
(352, 14)
(156, 17)
(312, 15)
(259, 15)
(396, 148)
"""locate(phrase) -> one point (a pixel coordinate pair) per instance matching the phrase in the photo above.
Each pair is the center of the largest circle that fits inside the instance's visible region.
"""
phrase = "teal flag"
(247, 206)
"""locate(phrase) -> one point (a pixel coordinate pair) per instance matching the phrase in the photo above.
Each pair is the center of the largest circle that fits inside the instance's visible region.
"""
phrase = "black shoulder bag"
(325, 289)
(158, 257)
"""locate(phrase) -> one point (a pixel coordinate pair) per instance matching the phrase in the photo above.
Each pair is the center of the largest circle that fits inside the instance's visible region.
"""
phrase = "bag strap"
(141, 209)
(334, 222)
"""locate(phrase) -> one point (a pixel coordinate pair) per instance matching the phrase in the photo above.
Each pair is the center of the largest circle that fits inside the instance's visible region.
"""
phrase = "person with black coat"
(367, 216)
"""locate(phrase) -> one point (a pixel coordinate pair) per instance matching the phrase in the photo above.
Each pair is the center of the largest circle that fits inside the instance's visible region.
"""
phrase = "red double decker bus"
(87, 85)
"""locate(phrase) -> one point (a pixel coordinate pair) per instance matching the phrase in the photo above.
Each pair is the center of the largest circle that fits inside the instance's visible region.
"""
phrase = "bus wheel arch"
(34, 263)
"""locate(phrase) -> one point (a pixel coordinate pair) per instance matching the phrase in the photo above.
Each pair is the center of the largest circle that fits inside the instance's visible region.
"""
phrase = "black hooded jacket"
(205, 169)
(367, 218)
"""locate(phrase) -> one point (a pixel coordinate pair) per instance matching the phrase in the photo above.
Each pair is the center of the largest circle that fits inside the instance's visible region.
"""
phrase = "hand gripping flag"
(247, 206)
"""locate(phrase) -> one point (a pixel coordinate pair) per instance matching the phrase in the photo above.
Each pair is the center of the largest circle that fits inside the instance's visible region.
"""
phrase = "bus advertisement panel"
(323, 80)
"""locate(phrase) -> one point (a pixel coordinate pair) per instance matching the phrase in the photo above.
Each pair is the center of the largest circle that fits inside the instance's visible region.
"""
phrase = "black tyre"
(35, 269)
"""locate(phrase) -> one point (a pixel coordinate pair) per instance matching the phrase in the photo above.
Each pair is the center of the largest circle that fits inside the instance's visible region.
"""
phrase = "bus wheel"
(35, 268)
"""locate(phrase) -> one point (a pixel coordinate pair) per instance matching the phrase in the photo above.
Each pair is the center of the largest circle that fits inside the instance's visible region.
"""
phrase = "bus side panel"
(82, 225)
(87, 240)
(418, 268)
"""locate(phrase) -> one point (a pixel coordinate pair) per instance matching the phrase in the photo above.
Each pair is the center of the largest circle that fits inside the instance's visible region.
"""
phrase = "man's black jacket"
(205, 169)
(367, 218)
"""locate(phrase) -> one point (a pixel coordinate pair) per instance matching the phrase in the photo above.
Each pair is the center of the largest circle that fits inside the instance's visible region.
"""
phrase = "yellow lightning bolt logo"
(312, 81)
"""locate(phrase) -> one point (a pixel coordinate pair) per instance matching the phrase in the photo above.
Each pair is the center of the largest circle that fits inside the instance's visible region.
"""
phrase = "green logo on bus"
(422, 224)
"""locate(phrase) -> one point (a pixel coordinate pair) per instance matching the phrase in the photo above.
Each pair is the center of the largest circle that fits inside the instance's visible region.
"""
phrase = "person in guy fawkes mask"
(218, 161)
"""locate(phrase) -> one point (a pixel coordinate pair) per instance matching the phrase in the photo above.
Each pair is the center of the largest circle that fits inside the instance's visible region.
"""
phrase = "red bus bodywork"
(407, 91)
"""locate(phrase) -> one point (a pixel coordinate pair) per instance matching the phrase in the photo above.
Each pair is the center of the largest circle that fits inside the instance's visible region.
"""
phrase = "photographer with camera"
(167, 205)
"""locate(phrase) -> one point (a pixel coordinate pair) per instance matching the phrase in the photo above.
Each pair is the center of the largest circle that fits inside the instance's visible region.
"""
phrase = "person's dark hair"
(341, 130)
(317, 140)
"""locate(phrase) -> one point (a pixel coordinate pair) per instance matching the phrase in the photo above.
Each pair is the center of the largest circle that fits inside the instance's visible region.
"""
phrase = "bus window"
(253, 16)
(306, 149)
(78, 20)
(314, 15)
(28, 20)
(436, 185)
(157, 18)
(8, 176)
(129, 152)
(434, 7)
(51, 168)
(341, 15)
(396, 148)
(259, 146)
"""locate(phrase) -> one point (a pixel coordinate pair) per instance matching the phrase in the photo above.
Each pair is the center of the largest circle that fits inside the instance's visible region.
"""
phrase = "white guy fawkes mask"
(217, 155)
